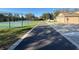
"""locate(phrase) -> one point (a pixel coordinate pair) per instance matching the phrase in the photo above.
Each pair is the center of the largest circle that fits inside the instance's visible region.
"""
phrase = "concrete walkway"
(70, 32)
(44, 37)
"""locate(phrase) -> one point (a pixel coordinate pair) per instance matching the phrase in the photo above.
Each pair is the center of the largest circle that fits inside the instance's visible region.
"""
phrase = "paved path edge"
(13, 46)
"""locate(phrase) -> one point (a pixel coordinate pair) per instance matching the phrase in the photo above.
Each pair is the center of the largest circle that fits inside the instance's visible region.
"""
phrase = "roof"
(70, 14)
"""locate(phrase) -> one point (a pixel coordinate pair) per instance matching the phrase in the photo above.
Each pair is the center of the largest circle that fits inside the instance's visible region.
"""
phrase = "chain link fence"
(14, 24)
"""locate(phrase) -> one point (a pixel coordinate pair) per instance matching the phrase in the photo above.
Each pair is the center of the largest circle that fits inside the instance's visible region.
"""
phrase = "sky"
(35, 11)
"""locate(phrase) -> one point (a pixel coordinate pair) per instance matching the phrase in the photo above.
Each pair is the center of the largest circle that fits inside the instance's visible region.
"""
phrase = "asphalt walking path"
(44, 37)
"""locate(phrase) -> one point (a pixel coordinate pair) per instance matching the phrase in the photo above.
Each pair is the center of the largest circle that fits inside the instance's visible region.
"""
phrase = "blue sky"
(35, 11)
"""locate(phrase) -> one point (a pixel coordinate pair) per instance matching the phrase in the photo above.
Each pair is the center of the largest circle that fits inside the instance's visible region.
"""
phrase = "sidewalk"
(44, 37)
(69, 31)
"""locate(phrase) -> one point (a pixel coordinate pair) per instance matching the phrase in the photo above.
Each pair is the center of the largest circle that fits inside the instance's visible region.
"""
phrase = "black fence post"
(22, 22)
(9, 23)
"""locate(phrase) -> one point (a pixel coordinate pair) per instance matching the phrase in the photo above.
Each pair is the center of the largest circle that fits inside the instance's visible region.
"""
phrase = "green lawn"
(9, 36)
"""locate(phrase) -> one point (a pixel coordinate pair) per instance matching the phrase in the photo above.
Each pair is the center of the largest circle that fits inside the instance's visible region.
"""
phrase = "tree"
(52, 16)
(1, 17)
(30, 16)
(10, 16)
(56, 14)
(36, 18)
(46, 16)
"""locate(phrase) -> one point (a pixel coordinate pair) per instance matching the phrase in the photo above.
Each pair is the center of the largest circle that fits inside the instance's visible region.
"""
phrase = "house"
(67, 18)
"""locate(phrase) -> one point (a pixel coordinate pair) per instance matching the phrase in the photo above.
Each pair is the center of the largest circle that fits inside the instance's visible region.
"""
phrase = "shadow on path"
(45, 38)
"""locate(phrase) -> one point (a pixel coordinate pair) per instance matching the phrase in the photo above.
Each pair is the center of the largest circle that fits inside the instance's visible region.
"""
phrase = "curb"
(21, 39)
(66, 37)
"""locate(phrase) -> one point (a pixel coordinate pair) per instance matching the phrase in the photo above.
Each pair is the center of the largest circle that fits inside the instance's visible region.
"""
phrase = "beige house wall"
(71, 20)
(60, 20)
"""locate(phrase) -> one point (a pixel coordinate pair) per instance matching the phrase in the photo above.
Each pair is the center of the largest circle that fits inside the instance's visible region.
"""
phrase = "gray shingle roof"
(70, 14)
